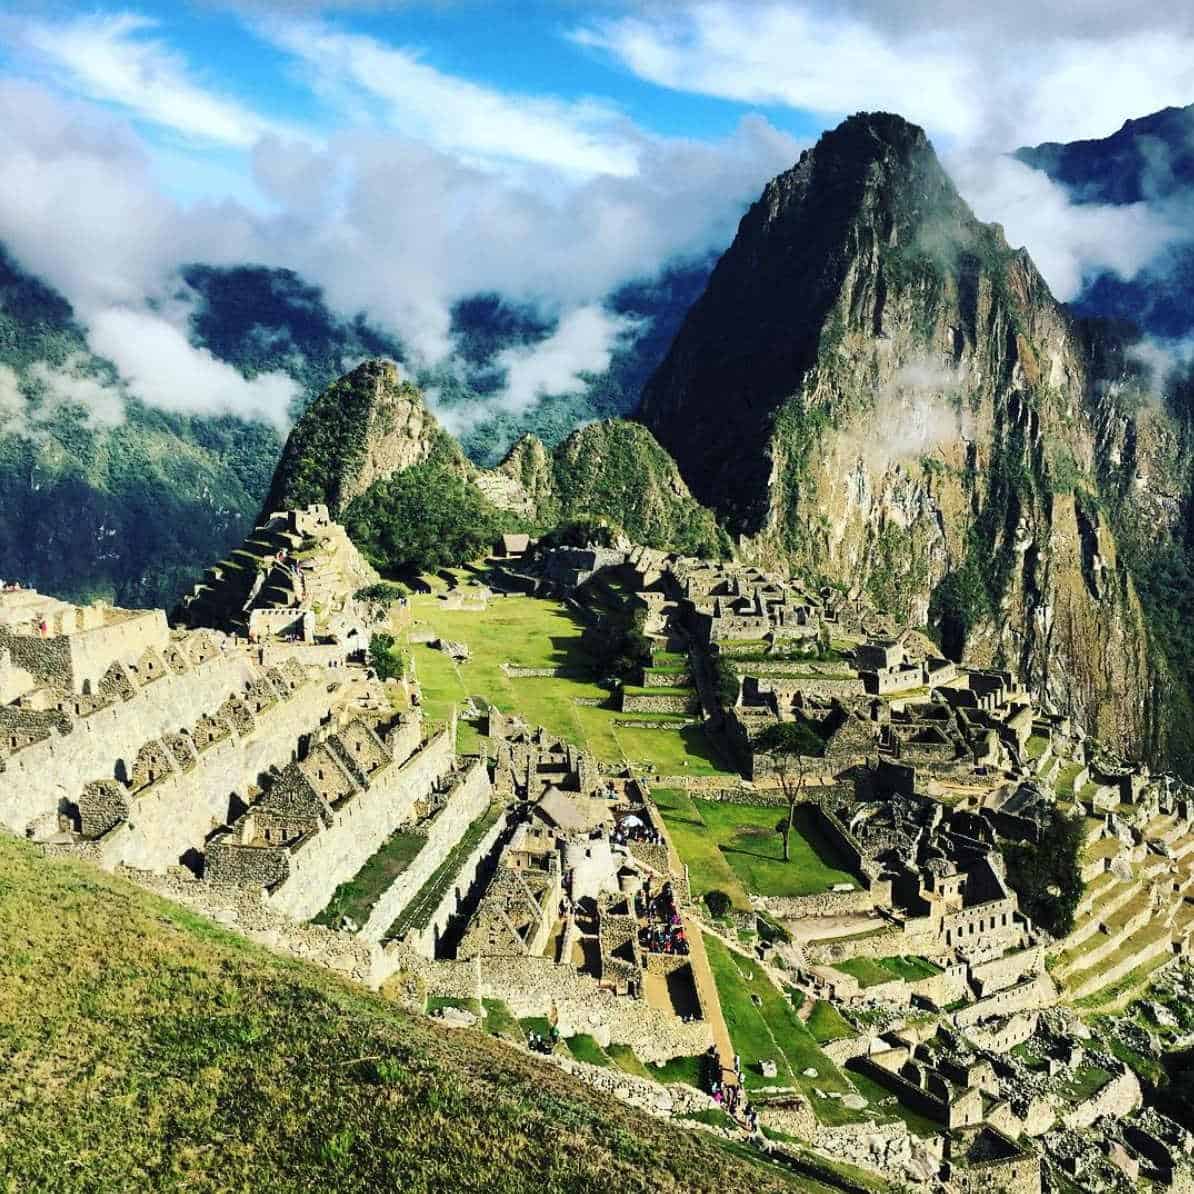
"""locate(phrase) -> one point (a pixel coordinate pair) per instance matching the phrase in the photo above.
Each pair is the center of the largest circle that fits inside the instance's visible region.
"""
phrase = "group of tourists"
(538, 1043)
(730, 1097)
(664, 931)
(634, 830)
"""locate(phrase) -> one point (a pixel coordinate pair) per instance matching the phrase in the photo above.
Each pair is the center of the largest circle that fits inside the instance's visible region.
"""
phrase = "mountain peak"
(365, 426)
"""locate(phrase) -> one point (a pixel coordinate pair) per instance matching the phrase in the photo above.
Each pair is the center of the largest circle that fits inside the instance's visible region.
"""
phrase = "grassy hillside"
(142, 1047)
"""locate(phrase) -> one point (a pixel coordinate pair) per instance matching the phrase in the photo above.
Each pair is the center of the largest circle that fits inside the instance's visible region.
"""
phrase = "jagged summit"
(876, 387)
(364, 427)
(867, 212)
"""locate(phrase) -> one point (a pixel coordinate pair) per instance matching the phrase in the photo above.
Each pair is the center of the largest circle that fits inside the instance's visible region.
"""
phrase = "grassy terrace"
(870, 972)
(356, 898)
(418, 912)
(763, 1025)
(735, 848)
(147, 1048)
(827, 1024)
(531, 632)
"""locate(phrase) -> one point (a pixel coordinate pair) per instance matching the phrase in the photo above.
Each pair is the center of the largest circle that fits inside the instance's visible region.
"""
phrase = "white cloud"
(72, 386)
(1003, 75)
(583, 342)
(581, 137)
(12, 402)
(1067, 241)
(107, 57)
(162, 368)
(793, 55)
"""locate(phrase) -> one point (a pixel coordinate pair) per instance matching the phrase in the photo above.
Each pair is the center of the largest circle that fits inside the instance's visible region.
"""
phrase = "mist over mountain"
(1149, 164)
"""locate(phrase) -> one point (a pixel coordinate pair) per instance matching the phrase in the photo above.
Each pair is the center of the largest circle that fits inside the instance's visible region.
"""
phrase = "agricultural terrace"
(736, 848)
(537, 633)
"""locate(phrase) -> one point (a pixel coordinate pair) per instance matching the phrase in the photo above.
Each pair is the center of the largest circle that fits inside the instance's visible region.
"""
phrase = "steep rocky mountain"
(875, 386)
(615, 469)
(363, 427)
(1148, 161)
(371, 425)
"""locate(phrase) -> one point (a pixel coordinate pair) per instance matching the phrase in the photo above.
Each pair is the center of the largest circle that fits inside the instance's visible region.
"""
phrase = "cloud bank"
(431, 187)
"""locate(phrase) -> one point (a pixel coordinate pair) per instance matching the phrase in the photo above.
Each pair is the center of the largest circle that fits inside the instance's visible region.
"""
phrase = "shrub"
(718, 903)
(385, 657)
(1047, 875)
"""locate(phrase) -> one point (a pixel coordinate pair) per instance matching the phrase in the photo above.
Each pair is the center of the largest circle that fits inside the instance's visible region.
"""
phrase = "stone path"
(710, 1004)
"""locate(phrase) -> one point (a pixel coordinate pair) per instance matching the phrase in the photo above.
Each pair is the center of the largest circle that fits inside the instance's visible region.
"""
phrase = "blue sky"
(403, 155)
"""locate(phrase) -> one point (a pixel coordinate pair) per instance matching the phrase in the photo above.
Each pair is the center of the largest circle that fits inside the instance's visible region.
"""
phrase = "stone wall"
(652, 703)
(1003, 972)
(465, 803)
(124, 639)
(425, 941)
(178, 811)
(1118, 1098)
(827, 903)
(1001, 1036)
(537, 987)
(248, 911)
(324, 860)
(1035, 993)
(37, 781)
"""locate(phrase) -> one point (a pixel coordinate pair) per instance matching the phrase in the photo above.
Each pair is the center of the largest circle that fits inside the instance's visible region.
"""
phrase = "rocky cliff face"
(364, 427)
(877, 388)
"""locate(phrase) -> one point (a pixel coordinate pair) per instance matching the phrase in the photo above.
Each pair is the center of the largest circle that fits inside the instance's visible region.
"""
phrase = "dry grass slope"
(142, 1047)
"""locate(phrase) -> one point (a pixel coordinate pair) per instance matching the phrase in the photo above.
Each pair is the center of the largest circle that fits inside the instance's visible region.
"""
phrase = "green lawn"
(500, 1021)
(910, 969)
(763, 1025)
(707, 867)
(870, 972)
(585, 1048)
(827, 1024)
(679, 1069)
(357, 897)
(867, 971)
(1037, 746)
(736, 848)
(625, 1059)
(532, 632)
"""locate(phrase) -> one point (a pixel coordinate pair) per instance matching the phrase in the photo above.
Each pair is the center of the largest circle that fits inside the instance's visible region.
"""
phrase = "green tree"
(618, 645)
(1047, 875)
(425, 517)
(790, 744)
(385, 658)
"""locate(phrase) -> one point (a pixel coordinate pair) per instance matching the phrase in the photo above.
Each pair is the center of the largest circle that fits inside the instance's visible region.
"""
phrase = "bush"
(718, 903)
(1047, 875)
(385, 658)
(384, 592)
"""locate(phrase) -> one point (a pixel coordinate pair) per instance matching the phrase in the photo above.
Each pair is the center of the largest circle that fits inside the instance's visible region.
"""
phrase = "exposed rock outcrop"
(363, 428)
